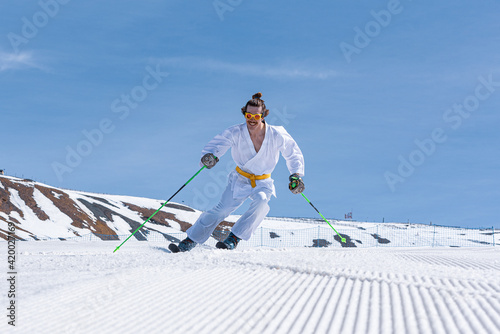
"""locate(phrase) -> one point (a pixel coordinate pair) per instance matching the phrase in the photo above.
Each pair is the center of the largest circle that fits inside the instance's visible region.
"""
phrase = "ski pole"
(185, 184)
(307, 199)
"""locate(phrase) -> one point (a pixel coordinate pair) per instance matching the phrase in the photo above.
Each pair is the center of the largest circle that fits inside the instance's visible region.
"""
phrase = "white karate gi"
(239, 188)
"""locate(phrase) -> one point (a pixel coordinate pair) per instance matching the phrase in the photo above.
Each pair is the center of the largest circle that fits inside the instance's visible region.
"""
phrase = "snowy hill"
(40, 211)
(80, 286)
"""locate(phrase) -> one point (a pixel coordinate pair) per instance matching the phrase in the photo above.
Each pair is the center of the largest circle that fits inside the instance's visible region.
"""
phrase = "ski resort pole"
(307, 199)
(185, 184)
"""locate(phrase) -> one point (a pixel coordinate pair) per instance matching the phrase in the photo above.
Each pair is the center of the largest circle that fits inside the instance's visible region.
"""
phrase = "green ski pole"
(307, 199)
(185, 184)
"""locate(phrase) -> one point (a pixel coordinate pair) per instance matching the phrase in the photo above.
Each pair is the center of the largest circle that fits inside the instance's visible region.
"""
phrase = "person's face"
(252, 122)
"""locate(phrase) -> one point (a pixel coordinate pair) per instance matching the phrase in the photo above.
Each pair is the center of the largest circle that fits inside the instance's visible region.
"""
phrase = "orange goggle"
(249, 116)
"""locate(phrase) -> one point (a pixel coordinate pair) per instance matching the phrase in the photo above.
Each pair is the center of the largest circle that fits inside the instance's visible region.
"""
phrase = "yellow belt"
(252, 177)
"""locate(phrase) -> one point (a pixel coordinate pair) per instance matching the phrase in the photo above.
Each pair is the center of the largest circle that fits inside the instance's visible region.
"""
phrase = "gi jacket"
(276, 140)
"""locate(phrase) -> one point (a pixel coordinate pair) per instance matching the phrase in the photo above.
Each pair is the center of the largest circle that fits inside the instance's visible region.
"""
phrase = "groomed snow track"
(85, 288)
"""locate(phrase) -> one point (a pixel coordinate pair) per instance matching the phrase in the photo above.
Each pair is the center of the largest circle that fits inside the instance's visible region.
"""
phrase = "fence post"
(318, 235)
(261, 237)
(434, 236)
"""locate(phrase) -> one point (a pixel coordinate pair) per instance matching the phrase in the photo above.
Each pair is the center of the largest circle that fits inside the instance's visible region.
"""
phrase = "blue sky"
(395, 104)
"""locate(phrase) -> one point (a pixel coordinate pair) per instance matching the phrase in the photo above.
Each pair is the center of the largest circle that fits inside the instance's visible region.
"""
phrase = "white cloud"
(16, 61)
(281, 71)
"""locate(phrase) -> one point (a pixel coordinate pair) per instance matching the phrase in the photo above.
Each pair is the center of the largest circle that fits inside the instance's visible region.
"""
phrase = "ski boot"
(184, 246)
(230, 243)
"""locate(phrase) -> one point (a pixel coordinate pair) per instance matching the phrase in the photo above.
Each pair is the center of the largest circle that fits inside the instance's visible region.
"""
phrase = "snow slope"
(274, 283)
(83, 287)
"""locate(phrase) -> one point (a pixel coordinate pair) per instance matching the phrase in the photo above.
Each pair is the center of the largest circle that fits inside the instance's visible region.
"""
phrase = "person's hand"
(209, 160)
(296, 185)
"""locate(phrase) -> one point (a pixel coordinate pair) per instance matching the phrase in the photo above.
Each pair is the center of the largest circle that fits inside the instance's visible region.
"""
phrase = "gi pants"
(246, 224)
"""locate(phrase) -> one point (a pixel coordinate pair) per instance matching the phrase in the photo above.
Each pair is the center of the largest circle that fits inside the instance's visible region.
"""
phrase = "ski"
(221, 245)
(173, 248)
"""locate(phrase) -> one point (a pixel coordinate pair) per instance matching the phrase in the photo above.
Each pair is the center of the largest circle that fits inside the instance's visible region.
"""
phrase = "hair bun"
(257, 96)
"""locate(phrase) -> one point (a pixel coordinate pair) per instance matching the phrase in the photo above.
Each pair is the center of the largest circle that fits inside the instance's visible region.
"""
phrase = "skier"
(255, 147)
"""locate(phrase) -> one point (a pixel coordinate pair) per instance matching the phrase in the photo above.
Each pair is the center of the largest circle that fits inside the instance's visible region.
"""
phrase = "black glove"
(209, 160)
(296, 185)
